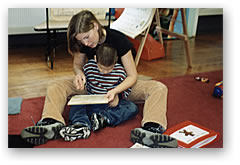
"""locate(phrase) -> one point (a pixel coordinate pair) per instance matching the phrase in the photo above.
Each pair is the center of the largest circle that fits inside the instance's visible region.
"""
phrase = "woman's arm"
(130, 67)
(78, 62)
(131, 78)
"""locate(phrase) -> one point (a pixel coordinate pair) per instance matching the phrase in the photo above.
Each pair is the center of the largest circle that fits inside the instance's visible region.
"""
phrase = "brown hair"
(106, 55)
(81, 22)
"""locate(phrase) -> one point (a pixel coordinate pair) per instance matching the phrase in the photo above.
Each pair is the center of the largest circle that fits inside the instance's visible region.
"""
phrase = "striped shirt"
(99, 83)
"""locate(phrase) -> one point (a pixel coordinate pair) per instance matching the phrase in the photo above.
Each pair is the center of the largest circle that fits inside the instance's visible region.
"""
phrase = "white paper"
(133, 21)
(191, 130)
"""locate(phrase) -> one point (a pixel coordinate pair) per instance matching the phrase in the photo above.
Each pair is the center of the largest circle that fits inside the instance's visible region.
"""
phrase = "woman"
(84, 34)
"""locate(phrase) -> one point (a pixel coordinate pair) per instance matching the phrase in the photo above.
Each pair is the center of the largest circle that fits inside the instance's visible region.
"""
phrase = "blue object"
(218, 90)
(112, 12)
(14, 105)
(178, 27)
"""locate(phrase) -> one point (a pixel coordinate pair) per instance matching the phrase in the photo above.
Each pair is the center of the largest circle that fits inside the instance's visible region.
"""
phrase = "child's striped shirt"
(99, 83)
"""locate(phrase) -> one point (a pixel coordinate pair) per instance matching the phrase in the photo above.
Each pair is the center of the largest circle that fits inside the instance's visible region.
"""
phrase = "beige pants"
(154, 94)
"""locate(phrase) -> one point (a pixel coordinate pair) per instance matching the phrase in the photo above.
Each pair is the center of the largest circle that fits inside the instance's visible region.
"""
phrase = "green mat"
(14, 105)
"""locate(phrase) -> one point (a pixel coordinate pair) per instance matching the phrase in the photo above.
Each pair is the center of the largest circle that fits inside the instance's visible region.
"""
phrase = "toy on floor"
(202, 79)
(218, 90)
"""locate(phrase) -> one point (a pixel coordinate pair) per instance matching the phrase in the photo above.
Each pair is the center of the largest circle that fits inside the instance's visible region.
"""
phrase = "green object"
(14, 105)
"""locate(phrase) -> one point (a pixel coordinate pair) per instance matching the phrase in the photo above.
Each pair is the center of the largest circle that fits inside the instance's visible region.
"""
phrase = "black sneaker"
(74, 132)
(98, 122)
(43, 131)
(153, 140)
(154, 127)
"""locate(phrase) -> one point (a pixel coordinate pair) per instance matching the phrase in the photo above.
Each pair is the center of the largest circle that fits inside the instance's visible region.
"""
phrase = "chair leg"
(157, 17)
(140, 48)
(173, 20)
(189, 58)
(186, 41)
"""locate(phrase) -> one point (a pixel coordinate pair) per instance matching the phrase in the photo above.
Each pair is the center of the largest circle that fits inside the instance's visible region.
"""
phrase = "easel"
(161, 30)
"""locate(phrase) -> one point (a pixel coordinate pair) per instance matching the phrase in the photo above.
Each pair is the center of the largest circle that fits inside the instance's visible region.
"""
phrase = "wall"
(194, 14)
(210, 11)
(23, 20)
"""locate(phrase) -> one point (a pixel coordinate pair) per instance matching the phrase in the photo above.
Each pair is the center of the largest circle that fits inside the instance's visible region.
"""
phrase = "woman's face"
(90, 38)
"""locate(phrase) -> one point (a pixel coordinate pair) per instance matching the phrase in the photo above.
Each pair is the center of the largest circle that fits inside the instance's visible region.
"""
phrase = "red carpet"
(188, 99)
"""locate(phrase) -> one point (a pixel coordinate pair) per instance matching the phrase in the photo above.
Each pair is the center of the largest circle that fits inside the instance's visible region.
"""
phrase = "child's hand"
(112, 98)
(115, 101)
(110, 95)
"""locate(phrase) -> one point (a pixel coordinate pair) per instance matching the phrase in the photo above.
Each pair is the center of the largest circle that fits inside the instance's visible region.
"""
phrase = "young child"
(102, 75)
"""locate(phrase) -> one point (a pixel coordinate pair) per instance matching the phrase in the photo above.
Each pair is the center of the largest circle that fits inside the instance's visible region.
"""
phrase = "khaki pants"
(154, 94)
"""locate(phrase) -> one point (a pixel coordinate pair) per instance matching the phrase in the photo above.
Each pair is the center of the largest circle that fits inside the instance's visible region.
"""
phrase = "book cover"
(88, 99)
(192, 135)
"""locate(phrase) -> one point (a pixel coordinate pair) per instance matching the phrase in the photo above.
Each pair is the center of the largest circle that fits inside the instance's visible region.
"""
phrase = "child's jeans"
(80, 114)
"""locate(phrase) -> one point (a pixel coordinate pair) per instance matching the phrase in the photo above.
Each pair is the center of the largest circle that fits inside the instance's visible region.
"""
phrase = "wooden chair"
(170, 32)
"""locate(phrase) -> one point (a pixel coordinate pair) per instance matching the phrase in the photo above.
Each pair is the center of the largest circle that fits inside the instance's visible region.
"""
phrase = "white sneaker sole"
(153, 140)
(41, 134)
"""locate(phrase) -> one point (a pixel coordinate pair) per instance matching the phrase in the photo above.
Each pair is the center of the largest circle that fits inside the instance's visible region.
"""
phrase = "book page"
(88, 99)
(189, 133)
(204, 142)
(133, 21)
(138, 145)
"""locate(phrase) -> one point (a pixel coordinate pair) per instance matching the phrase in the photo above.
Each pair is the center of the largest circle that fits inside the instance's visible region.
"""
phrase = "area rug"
(188, 99)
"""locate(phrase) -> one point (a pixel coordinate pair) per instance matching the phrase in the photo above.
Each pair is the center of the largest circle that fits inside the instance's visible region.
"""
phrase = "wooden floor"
(28, 73)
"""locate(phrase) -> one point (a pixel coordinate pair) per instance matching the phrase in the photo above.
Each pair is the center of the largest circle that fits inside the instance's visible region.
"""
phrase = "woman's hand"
(80, 81)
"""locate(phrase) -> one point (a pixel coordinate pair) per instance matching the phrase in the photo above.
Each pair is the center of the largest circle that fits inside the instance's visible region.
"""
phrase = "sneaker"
(42, 132)
(153, 140)
(74, 132)
(98, 122)
(154, 127)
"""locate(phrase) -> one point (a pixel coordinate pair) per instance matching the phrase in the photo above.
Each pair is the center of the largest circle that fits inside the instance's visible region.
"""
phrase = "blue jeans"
(80, 114)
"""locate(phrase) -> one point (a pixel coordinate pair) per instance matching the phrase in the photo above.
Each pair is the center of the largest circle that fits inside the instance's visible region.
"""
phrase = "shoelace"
(39, 123)
(159, 129)
(33, 120)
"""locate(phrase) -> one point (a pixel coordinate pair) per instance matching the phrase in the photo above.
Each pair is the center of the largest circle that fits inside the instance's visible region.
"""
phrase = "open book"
(133, 21)
(88, 99)
(191, 135)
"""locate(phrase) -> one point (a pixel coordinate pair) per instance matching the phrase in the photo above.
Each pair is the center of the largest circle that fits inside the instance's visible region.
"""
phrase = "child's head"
(106, 57)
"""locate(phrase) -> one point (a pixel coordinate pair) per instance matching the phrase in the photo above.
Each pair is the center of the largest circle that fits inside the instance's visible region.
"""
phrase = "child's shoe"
(74, 132)
(98, 122)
